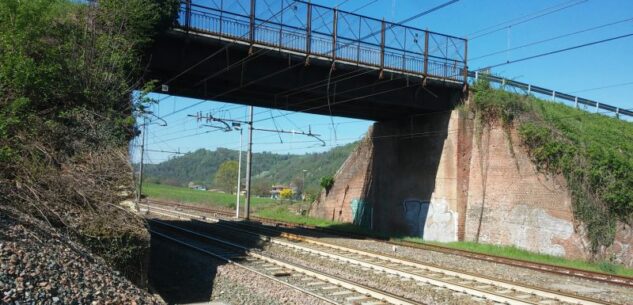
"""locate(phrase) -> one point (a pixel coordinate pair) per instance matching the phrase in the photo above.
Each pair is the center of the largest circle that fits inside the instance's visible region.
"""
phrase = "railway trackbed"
(314, 283)
(473, 285)
(548, 268)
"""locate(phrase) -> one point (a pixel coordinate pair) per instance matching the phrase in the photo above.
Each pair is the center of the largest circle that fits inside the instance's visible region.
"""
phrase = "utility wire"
(557, 51)
(552, 38)
(603, 87)
(519, 20)
(364, 6)
(443, 5)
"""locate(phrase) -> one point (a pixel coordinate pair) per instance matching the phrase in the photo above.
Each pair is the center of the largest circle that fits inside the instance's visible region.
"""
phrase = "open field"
(263, 207)
(186, 195)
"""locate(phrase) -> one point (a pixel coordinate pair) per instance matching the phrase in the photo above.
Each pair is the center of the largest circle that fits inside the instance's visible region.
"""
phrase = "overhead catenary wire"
(411, 135)
(557, 51)
(516, 21)
(603, 87)
(551, 39)
(365, 5)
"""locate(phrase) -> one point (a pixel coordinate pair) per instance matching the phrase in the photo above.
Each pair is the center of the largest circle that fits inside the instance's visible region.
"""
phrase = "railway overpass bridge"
(298, 56)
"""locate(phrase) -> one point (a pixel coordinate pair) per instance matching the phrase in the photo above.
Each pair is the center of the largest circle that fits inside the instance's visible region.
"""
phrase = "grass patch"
(521, 254)
(183, 194)
(282, 213)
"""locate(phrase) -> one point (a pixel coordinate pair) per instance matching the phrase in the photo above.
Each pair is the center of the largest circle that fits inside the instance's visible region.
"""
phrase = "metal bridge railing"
(331, 33)
(530, 89)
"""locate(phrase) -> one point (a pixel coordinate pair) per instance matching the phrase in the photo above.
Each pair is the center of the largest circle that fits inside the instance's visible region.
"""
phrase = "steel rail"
(459, 281)
(361, 289)
(228, 260)
(565, 271)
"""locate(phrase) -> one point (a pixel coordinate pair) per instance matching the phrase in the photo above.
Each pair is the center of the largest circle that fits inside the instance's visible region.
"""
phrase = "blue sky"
(576, 71)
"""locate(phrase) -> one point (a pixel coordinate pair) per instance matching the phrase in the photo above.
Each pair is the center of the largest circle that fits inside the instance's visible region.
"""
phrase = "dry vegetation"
(68, 75)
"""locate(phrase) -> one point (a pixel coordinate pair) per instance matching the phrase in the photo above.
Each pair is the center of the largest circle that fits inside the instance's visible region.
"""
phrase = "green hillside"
(268, 168)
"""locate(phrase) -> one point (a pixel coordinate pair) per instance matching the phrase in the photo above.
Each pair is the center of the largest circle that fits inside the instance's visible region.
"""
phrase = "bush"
(327, 182)
(68, 75)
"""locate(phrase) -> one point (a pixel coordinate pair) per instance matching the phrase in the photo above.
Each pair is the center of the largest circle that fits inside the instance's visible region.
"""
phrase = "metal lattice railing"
(533, 89)
(327, 32)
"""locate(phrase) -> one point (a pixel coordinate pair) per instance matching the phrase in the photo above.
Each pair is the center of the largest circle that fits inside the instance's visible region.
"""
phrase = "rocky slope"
(41, 265)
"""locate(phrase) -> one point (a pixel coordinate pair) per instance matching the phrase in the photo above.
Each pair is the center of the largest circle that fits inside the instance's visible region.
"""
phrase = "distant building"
(276, 190)
(198, 187)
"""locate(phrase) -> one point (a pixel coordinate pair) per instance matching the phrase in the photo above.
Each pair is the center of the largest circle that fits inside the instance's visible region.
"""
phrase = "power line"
(604, 87)
(364, 6)
(557, 51)
(551, 39)
(443, 5)
(517, 21)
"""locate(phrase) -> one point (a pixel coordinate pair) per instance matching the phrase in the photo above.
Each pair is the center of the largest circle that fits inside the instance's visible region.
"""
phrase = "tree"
(286, 194)
(261, 187)
(226, 177)
(298, 181)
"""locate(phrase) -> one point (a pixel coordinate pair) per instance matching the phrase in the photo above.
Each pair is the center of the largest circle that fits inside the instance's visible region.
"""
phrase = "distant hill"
(268, 168)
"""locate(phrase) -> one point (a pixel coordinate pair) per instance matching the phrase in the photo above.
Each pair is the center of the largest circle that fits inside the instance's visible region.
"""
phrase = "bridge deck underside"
(282, 80)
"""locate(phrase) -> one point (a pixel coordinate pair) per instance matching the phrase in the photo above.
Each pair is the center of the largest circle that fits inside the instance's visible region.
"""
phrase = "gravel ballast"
(39, 265)
(410, 289)
(183, 275)
(593, 289)
(568, 284)
(235, 285)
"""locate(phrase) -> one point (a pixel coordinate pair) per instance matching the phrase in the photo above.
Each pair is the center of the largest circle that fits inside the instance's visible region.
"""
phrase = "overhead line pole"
(249, 159)
(239, 178)
(140, 179)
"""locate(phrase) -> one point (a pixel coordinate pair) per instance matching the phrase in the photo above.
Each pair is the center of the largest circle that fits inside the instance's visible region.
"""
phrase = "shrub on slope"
(67, 75)
(593, 152)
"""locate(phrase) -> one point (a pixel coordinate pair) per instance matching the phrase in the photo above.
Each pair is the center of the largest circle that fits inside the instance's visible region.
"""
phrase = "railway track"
(311, 282)
(459, 282)
(566, 271)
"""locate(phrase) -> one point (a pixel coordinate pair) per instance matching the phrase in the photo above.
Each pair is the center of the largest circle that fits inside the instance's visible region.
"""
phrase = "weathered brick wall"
(480, 185)
(511, 203)
(349, 184)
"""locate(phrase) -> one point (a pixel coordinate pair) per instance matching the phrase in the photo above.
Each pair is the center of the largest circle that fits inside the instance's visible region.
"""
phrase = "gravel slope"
(39, 265)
